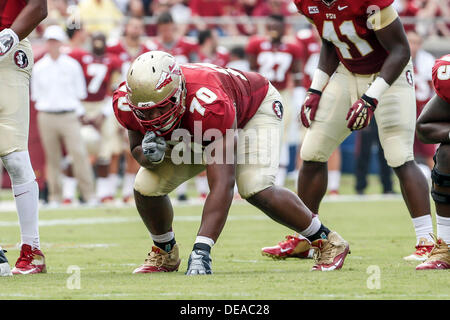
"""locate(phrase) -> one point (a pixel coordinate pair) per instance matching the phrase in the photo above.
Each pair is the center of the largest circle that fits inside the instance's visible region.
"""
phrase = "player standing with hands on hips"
(17, 19)
(365, 70)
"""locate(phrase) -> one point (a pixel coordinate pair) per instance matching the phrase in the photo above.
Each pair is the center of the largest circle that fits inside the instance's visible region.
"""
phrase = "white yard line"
(9, 206)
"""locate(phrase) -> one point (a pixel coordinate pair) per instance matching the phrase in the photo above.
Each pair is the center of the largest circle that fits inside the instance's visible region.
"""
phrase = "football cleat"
(107, 199)
(199, 263)
(5, 270)
(293, 247)
(30, 261)
(438, 258)
(422, 250)
(159, 260)
(330, 253)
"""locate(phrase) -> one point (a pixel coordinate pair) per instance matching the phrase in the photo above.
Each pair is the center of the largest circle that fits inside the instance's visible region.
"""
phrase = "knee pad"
(18, 165)
(442, 180)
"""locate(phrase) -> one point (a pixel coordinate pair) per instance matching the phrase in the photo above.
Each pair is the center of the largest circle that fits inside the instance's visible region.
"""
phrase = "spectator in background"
(209, 8)
(272, 7)
(209, 50)
(423, 64)
(58, 85)
(238, 60)
(366, 138)
(100, 15)
(171, 41)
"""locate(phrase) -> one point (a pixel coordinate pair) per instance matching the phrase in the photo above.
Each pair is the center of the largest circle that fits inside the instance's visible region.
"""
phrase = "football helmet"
(155, 80)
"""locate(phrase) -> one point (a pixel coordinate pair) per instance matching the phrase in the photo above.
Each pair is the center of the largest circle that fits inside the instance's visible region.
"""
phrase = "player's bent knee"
(397, 156)
(19, 167)
(249, 183)
(148, 183)
(311, 153)
(442, 158)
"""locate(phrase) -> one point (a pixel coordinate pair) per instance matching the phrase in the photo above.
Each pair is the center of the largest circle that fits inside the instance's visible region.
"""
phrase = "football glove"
(154, 147)
(8, 40)
(310, 106)
(361, 113)
(199, 263)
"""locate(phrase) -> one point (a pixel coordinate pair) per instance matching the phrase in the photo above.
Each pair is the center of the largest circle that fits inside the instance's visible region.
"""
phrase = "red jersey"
(441, 77)
(125, 56)
(274, 61)
(215, 96)
(310, 58)
(220, 58)
(344, 23)
(97, 72)
(183, 49)
(9, 10)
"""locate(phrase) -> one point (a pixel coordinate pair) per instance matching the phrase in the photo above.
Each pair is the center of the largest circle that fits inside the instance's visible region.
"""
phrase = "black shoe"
(182, 197)
(5, 270)
(199, 263)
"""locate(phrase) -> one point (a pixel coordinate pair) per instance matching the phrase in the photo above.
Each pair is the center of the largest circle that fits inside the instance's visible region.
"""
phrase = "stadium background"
(235, 21)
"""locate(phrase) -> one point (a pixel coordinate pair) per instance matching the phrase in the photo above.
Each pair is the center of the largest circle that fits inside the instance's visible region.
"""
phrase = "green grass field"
(106, 244)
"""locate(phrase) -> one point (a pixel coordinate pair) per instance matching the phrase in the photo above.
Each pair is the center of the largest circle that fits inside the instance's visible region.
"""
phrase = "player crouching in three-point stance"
(365, 70)
(161, 99)
(17, 19)
(433, 126)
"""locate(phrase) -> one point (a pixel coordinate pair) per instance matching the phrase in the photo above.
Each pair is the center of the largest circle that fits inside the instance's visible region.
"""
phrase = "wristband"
(320, 80)
(377, 88)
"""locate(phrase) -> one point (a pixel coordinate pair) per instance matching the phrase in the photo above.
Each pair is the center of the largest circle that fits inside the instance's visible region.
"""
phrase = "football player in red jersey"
(100, 68)
(433, 126)
(183, 49)
(17, 19)
(162, 102)
(127, 49)
(365, 69)
(280, 62)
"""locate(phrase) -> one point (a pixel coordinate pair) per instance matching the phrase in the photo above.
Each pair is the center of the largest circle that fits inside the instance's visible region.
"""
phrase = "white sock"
(128, 185)
(201, 184)
(114, 181)
(280, 178)
(104, 188)
(423, 226)
(181, 189)
(334, 179)
(69, 187)
(161, 238)
(27, 200)
(443, 228)
(205, 240)
(313, 227)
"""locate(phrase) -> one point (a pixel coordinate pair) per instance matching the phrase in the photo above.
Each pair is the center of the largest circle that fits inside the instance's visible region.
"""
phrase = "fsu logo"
(21, 59)
(409, 78)
(166, 77)
(278, 109)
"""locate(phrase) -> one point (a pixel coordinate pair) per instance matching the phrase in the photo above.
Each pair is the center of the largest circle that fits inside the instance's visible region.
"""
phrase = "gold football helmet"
(155, 80)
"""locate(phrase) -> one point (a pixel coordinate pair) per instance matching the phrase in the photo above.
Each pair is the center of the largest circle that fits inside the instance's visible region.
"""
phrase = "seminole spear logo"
(166, 77)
